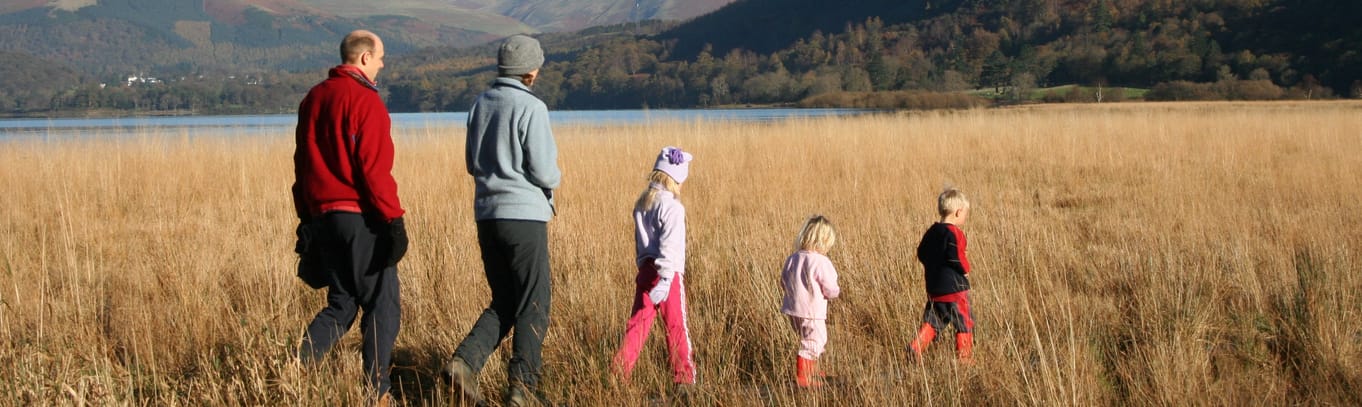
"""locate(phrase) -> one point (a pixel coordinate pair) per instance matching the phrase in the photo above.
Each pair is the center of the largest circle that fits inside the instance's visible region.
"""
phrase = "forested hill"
(173, 37)
(831, 52)
(243, 55)
(783, 51)
(1322, 37)
(766, 26)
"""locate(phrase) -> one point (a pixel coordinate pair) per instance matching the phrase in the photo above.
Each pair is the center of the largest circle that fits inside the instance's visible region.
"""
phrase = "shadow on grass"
(416, 377)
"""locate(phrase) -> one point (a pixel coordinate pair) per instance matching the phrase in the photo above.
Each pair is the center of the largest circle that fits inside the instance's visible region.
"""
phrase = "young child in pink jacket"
(660, 254)
(810, 280)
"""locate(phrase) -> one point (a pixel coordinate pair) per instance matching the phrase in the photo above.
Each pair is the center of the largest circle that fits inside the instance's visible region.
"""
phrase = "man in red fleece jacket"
(350, 217)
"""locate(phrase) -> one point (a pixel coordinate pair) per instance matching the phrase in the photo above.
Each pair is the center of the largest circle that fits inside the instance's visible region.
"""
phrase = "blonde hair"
(951, 200)
(816, 235)
(649, 195)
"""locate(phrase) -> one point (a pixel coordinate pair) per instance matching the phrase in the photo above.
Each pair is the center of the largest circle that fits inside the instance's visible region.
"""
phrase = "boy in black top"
(946, 270)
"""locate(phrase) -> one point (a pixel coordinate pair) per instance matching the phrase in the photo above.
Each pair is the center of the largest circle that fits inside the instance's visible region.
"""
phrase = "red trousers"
(673, 310)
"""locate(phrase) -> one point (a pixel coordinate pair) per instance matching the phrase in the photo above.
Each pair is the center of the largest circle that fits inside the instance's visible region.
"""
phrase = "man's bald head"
(357, 43)
(365, 50)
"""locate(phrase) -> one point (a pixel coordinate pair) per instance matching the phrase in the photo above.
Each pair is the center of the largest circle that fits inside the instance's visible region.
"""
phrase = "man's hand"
(397, 234)
(306, 237)
(310, 268)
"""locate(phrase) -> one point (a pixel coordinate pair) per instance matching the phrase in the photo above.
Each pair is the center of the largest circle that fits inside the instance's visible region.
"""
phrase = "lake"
(272, 125)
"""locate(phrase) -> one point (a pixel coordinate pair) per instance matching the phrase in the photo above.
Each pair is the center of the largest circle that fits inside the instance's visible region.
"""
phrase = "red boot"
(805, 369)
(964, 347)
(924, 338)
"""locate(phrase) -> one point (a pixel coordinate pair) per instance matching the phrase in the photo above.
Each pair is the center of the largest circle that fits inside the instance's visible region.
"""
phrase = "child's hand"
(659, 292)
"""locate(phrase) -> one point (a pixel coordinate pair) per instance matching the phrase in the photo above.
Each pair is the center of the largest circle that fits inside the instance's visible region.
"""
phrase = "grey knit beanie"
(519, 55)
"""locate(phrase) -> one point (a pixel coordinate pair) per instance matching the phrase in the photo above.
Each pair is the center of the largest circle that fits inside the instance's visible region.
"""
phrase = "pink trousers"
(673, 310)
(813, 336)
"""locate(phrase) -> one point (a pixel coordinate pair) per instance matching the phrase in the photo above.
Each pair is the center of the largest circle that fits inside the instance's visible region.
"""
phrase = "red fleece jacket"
(344, 155)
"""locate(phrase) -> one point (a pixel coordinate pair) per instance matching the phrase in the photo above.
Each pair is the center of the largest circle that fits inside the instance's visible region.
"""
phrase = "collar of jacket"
(511, 82)
(354, 72)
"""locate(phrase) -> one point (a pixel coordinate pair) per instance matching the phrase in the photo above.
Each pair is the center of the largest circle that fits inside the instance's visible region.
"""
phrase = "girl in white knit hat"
(660, 254)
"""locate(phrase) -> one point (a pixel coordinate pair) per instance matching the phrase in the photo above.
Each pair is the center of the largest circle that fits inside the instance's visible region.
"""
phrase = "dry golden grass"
(1149, 254)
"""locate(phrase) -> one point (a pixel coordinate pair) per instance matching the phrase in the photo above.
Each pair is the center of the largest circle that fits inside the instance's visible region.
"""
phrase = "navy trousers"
(359, 279)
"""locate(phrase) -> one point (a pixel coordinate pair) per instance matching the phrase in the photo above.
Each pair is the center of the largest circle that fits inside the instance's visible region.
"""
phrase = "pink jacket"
(809, 281)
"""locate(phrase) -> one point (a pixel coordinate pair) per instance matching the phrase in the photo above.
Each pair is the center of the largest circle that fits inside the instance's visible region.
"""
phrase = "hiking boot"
(519, 395)
(463, 381)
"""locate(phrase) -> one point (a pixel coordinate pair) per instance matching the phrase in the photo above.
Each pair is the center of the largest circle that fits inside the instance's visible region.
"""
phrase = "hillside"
(109, 38)
(875, 53)
(765, 26)
(505, 17)
(170, 38)
(28, 83)
(572, 15)
(784, 52)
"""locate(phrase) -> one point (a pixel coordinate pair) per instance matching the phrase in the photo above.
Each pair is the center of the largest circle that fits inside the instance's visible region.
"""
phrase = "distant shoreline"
(105, 114)
(114, 114)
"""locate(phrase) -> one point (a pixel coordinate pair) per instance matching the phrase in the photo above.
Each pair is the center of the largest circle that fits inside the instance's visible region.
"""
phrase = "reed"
(1148, 254)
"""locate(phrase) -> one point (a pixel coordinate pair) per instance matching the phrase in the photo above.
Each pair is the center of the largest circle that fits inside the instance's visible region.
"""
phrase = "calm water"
(274, 125)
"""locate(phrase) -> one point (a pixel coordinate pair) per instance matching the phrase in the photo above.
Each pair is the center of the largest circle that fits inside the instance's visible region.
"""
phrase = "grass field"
(1059, 92)
(1126, 254)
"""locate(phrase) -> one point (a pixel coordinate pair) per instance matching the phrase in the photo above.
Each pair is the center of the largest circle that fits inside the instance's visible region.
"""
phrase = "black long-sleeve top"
(942, 253)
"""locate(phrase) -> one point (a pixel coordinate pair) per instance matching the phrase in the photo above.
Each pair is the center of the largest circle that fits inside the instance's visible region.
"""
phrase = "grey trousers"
(515, 259)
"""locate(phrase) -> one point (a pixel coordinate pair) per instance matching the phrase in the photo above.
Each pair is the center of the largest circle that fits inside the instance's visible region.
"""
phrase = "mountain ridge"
(109, 37)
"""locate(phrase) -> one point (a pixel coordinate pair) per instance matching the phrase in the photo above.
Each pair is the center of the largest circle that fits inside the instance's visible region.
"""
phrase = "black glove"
(310, 267)
(305, 237)
(397, 236)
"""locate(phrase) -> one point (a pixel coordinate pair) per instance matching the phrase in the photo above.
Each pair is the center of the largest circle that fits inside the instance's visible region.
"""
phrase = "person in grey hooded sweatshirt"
(513, 159)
